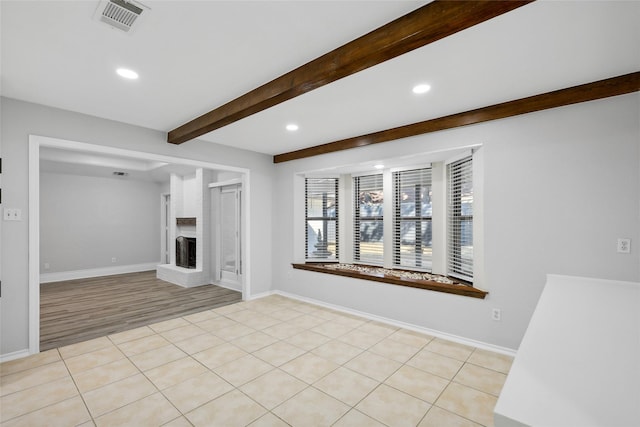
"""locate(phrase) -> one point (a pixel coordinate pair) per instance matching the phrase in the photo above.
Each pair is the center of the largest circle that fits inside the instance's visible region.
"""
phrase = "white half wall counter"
(579, 361)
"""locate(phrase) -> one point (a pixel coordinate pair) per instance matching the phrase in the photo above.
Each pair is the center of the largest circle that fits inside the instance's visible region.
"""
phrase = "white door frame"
(37, 141)
(220, 273)
(215, 229)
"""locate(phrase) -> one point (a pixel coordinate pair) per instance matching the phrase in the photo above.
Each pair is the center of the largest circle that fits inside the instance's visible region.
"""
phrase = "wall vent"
(122, 14)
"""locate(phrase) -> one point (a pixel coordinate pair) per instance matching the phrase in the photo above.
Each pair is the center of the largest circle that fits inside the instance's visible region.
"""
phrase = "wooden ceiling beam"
(424, 25)
(587, 92)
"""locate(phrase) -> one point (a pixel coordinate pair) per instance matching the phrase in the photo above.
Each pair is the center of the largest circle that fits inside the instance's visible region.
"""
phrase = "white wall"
(190, 195)
(560, 187)
(19, 119)
(86, 221)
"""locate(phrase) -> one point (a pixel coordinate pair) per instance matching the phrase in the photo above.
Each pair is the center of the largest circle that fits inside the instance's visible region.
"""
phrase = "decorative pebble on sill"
(403, 274)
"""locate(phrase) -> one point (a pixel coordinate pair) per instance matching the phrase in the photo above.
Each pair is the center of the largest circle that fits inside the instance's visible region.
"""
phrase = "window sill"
(455, 288)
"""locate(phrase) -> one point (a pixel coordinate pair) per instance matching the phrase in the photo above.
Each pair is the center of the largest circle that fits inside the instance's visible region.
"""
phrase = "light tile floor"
(269, 362)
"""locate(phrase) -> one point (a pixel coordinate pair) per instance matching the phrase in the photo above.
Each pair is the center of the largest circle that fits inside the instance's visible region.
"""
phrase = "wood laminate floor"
(78, 310)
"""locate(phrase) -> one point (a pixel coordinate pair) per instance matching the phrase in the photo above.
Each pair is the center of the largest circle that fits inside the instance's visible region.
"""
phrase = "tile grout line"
(37, 385)
(140, 371)
(94, 419)
(158, 388)
(234, 388)
(307, 385)
(77, 388)
(207, 402)
(278, 368)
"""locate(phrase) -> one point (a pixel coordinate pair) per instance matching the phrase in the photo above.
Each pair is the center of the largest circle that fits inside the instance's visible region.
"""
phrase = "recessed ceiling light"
(421, 88)
(127, 74)
(379, 166)
(292, 127)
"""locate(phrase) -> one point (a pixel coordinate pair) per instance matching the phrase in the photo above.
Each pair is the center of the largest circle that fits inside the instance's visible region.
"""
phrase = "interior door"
(229, 261)
(166, 220)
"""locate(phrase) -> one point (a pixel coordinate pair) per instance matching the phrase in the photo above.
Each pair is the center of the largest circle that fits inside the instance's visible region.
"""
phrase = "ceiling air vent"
(122, 14)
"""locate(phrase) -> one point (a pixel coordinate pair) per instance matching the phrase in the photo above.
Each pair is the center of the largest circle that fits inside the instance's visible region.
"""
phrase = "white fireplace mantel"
(190, 198)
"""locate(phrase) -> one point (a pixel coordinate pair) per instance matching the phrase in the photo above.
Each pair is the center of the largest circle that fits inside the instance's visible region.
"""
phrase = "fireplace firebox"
(186, 252)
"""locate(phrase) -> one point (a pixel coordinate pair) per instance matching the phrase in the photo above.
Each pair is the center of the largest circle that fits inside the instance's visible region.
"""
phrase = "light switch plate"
(12, 214)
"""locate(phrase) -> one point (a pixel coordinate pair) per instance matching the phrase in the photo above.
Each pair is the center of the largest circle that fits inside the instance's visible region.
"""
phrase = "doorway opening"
(227, 218)
(67, 149)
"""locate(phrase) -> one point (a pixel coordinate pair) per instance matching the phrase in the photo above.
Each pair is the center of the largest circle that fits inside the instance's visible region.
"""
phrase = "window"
(321, 218)
(412, 242)
(429, 210)
(460, 219)
(368, 225)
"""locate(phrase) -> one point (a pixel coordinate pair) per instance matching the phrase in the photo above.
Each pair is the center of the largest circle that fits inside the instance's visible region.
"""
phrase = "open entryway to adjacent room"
(123, 239)
(226, 211)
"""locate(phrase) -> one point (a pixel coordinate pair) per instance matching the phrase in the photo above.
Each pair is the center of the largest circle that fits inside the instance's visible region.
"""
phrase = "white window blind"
(460, 219)
(321, 219)
(412, 219)
(368, 219)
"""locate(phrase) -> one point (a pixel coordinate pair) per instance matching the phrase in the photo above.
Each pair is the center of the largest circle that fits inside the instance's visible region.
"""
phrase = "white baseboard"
(264, 294)
(14, 355)
(232, 286)
(416, 328)
(96, 272)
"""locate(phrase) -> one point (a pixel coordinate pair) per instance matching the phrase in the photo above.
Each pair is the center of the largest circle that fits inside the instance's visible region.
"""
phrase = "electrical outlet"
(113, 259)
(624, 246)
(46, 266)
(496, 314)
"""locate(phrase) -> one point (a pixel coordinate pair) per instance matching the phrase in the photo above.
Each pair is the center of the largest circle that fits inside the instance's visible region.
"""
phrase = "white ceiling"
(71, 162)
(193, 56)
